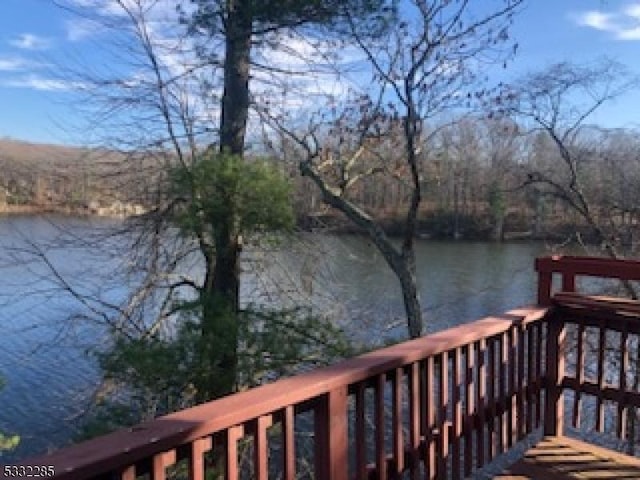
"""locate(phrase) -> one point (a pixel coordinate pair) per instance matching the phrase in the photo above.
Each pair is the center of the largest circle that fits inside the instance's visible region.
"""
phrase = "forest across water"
(478, 186)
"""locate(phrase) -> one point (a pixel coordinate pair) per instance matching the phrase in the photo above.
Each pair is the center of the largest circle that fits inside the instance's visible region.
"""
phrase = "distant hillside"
(41, 177)
(38, 154)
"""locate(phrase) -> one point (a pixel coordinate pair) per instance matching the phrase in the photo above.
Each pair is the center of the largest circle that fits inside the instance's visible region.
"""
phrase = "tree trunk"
(235, 95)
(220, 295)
(406, 273)
(226, 272)
(219, 299)
(497, 233)
(538, 216)
(403, 265)
(219, 358)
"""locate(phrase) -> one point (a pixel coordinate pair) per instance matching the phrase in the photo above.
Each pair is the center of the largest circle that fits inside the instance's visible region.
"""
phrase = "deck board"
(563, 458)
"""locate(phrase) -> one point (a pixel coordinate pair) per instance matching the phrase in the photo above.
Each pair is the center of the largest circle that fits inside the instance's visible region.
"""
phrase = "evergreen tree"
(241, 24)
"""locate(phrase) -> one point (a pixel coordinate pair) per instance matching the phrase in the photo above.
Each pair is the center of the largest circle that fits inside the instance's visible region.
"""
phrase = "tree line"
(478, 183)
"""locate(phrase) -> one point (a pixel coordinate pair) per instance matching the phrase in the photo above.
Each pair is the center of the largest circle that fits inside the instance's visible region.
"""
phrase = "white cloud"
(302, 72)
(29, 41)
(595, 19)
(94, 12)
(305, 76)
(81, 28)
(633, 11)
(623, 24)
(12, 64)
(15, 63)
(630, 34)
(36, 82)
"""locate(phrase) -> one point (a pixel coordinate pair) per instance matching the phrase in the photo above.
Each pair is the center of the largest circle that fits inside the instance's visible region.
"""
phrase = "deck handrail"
(572, 309)
(153, 445)
(569, 267)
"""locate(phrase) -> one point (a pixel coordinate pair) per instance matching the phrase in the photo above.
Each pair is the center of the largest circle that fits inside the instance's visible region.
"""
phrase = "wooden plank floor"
(563, 458)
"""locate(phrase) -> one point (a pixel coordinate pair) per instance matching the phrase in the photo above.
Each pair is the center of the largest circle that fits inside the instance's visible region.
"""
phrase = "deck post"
(545, 277)
(568, 281)
(331, 435)
(554, 398)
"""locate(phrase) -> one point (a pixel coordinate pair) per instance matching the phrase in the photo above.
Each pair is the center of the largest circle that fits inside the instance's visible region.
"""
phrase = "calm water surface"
(44, 345)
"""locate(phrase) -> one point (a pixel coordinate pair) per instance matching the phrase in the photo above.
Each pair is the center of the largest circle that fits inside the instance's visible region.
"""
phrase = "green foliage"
(279, 343)
(497, 200)
(269, 15)
(6, 442)
(143, 378)
(156, 375)
(220, 187)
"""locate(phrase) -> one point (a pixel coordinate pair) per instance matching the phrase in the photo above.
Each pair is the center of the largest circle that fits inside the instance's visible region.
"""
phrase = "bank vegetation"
(477, 184)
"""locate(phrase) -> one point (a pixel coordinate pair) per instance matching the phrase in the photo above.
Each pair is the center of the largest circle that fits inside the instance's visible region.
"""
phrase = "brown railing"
(449, 402)
(438, 407)
(568, 268)
(597, 339)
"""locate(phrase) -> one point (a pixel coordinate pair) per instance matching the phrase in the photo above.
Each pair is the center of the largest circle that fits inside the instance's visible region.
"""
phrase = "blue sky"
(35, 36)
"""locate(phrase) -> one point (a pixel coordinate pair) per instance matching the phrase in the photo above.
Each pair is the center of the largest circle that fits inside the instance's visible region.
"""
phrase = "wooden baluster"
(512, 406)
(457, 414)
(159, 464)
(602, 341)
(555, 354)
(431, 408)
(196, 458)
(232, 472)
(261, 447)
(481, 392)
(443, 423)
(503, 393)
(540, 348)
(289, 443)
(381, 453)
(331, 435)
(470, 404)
(361, 437)
(531, 362)
(398, 440)
(491, 399)
(520, 392)
(415, 403)
(128, 473)
(580, 365)
(622, 383)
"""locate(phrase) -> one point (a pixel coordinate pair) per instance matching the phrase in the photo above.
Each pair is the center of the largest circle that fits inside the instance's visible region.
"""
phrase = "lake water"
(44, 346)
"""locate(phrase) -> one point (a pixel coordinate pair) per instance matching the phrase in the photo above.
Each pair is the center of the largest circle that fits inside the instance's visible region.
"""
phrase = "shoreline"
(117, 210)
(329, 224)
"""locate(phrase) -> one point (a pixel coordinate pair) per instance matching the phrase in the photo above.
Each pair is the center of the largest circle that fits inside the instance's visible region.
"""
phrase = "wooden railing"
(569, 268)
(440, 406)
(443, 405)
(596, 369)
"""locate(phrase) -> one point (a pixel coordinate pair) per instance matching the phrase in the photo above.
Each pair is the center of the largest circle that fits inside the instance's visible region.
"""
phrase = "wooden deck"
(563, 458)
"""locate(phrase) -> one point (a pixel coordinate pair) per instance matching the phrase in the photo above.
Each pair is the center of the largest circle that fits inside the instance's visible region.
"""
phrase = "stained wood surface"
(563, 458)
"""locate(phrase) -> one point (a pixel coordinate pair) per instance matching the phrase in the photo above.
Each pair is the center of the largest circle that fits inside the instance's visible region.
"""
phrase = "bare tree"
(559, 102)
(424, 68)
